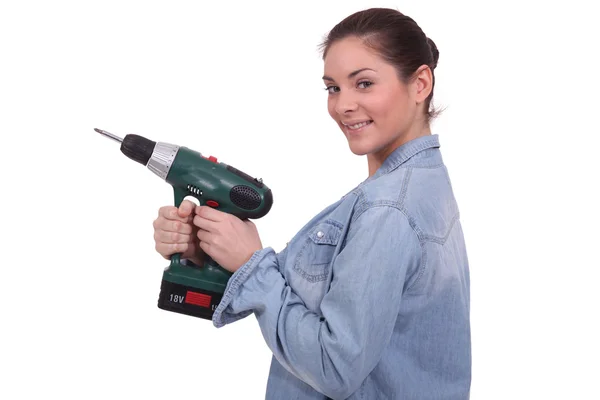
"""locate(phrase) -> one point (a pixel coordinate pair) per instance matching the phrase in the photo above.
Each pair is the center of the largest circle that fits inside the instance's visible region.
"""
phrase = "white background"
(241, 81)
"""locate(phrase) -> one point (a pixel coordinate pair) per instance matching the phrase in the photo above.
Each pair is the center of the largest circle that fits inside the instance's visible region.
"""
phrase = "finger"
(205, 224)
(171, 212)
(172, 226)
(186, 208)
(205, 246)
(168, 249)
(204, 236)
(210, 213)
(171, 237)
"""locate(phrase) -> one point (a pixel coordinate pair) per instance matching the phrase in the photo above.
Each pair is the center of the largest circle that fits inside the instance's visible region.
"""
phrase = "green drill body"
(187, 288)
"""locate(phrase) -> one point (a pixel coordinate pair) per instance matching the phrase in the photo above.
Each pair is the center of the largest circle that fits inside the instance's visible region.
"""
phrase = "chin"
(360, 149)
(361, 143)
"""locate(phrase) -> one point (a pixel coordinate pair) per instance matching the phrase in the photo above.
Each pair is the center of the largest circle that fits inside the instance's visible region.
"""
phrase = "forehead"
(350, 54)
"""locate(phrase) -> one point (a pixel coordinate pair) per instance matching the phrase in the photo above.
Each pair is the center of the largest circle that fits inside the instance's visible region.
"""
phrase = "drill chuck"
(138, 148)
(158, 157)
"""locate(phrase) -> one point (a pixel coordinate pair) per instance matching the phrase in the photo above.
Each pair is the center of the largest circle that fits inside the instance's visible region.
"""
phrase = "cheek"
(331, 108)
(390, 109)
(381, 109)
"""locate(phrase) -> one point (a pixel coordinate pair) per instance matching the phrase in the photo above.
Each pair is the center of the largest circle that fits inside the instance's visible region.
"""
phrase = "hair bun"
(435, 54)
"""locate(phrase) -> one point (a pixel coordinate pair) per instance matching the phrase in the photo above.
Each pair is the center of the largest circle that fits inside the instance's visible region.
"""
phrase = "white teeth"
(359, 125)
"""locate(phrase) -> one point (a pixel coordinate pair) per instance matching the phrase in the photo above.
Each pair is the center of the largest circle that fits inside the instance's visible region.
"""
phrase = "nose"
(345, 102)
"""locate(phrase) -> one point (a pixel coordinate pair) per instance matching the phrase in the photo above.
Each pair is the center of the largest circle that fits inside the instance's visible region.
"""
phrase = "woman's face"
(374, 109)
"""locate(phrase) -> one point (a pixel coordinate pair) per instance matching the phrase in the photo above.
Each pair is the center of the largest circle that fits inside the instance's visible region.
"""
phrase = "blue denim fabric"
(369, 300)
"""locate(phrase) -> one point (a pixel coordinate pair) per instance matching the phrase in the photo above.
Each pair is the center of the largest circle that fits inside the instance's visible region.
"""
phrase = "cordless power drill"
(187, 288)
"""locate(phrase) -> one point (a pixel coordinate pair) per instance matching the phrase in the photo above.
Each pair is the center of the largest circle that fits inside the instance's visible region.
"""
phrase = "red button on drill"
(213, 159)
(212, 203)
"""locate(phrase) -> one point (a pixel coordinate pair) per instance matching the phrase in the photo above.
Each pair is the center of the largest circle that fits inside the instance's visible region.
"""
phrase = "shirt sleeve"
(333, 352)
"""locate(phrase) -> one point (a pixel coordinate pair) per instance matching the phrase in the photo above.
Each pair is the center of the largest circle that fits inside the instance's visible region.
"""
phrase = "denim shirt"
(370, 299)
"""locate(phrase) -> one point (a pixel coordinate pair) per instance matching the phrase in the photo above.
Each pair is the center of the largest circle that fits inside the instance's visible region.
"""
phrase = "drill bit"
(108, 134)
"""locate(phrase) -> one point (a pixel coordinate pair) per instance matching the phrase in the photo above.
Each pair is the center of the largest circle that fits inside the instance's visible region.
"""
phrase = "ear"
(422, 83)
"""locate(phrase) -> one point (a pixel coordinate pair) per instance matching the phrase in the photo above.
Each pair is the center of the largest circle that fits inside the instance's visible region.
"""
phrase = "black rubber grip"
(138, 148)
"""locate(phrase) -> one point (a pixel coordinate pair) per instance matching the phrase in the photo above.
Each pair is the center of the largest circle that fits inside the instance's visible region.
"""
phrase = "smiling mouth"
(357, 126)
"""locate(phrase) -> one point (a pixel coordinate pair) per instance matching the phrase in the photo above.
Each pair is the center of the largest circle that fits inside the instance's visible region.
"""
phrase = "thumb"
(185, 208)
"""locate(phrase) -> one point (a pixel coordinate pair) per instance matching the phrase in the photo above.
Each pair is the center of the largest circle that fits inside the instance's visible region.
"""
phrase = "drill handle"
(179, 197)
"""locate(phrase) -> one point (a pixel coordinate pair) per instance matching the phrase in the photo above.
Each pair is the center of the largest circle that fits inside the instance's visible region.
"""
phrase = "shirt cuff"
(225, 314)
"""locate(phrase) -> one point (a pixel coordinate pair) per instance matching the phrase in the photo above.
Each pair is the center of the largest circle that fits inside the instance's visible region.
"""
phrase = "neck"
(376, 159)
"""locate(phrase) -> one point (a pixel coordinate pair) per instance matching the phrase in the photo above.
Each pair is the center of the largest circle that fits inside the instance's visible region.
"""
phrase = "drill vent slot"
(245, 197)
(194, 190)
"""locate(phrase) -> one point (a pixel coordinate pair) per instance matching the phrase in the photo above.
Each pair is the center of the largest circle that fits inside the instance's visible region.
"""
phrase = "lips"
(356, 125)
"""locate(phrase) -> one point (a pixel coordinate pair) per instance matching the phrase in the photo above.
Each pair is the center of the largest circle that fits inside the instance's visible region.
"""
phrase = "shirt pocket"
(313, 262)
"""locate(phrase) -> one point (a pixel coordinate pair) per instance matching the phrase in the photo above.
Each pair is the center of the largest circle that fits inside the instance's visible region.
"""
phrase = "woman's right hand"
(174, 232)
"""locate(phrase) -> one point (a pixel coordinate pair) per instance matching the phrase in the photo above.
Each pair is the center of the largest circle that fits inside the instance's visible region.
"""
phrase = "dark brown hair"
(395, 37)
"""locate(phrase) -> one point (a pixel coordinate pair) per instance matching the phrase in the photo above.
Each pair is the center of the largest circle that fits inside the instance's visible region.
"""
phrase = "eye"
(365, 84)
(332, 89)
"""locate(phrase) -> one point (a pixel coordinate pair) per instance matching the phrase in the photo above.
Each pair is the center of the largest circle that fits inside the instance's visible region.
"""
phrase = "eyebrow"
(350, 75)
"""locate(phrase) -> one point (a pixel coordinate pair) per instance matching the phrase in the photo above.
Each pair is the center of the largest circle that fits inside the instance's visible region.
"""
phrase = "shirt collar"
(404, 152)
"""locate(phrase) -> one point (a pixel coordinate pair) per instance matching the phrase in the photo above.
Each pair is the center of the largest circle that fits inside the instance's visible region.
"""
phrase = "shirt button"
(320, 234)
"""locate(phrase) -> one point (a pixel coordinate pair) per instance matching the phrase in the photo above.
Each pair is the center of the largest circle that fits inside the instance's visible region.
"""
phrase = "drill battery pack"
(192, 290)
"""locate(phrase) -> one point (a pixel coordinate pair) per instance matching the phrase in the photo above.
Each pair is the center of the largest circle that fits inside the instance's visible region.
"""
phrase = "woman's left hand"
(225, 238)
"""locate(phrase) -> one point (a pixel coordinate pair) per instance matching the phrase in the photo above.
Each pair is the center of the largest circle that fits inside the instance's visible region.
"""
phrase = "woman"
(370, 299)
